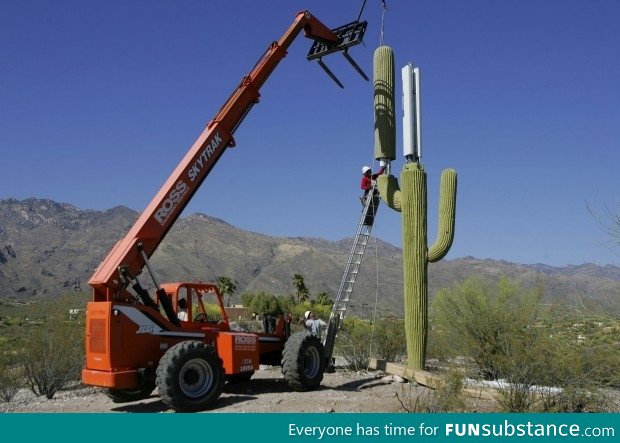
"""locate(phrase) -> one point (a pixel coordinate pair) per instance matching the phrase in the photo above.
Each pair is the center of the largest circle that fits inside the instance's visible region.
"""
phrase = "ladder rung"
(356, 255)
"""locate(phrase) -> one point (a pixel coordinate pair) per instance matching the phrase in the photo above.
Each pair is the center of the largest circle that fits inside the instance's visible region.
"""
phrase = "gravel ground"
(341, 391)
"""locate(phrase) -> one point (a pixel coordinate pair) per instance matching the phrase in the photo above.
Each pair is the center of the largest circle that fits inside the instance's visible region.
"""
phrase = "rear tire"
(303, 362)
(190, 376)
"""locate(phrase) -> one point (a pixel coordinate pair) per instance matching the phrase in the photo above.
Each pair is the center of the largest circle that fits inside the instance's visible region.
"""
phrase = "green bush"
(485, 323)
(502, 332)
(265, 304)
(246, 298)
(360, 339)
(446, 396)
(10, 380)
(354, 342)
(53, 347)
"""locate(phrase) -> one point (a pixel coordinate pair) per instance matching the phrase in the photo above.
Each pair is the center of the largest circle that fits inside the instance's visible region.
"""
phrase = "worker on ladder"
(367, 180)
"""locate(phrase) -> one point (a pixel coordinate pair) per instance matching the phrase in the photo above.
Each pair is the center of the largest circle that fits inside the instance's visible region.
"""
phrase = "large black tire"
(303, 362)
(190, 376)
(146, 388)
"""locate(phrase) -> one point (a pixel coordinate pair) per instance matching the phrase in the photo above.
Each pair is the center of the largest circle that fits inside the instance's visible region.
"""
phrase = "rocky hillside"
(48, 248)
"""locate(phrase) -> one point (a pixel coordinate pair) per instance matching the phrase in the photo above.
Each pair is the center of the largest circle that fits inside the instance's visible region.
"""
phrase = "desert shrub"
(502, 332)
(484, 323)
(446, 396)
(360, 339)
(323, 299)
(389, 341)
(10, 379)
(569, 380)
(9, 385)
(449, 393)
(54, 356)
(573, 399)
(353, 343)
(53, 347)
(288, 304)
(601, 357)
(246, 298)
(265, 304)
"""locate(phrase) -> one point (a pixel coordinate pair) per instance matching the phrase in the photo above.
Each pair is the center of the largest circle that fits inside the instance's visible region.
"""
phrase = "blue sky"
(99, 101)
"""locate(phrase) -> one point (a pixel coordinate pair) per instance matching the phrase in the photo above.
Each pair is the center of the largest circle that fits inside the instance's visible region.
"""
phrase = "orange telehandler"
(136, 342)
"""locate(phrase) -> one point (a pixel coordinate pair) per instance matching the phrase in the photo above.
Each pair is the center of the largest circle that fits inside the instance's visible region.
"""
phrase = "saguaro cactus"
(411, 202)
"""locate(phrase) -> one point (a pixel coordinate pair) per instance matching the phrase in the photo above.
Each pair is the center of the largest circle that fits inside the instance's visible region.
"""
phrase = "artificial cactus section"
(385, 120)
(410, 199)
(389, 191)
(415, 280)
(447, 210)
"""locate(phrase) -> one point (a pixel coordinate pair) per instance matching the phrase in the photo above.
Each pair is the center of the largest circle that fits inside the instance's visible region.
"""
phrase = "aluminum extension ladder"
(351, 270)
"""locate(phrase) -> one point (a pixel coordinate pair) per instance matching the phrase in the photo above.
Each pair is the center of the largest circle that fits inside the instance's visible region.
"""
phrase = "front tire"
(190, 376)
(303, 361)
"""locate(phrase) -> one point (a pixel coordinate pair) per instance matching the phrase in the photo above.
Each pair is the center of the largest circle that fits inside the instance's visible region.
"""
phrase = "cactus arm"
(389, 191)
(447, 209)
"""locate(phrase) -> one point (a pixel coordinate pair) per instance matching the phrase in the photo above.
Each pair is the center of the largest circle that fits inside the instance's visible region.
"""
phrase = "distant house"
(237, 312)
(73, 313)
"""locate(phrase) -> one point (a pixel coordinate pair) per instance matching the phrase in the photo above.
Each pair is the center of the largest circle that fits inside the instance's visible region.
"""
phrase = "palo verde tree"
(503, 331)
(487, 323)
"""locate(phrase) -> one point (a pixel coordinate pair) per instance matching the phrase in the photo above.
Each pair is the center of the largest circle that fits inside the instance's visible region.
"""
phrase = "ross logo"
(171, 202)
(245, 339)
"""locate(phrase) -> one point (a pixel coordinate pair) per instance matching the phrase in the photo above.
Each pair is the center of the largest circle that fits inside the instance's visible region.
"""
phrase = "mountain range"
(48, 248)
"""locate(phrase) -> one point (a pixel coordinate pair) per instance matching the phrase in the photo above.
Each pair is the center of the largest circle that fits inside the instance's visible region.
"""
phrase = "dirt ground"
(341, 391)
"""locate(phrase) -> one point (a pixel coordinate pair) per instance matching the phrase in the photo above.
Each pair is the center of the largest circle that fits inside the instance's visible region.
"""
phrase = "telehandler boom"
(135, 342)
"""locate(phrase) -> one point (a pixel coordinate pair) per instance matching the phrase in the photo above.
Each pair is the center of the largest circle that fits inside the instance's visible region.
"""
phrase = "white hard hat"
(307, 314)
(365, 169)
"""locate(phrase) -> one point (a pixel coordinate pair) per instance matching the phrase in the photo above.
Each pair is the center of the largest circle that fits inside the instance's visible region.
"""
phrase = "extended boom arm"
(125, 260)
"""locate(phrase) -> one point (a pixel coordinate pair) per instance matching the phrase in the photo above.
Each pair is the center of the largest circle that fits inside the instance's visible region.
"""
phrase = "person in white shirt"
(182, 314)
(313, 325)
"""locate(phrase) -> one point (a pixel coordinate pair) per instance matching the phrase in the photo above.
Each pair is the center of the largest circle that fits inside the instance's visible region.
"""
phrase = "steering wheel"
(201, 318)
